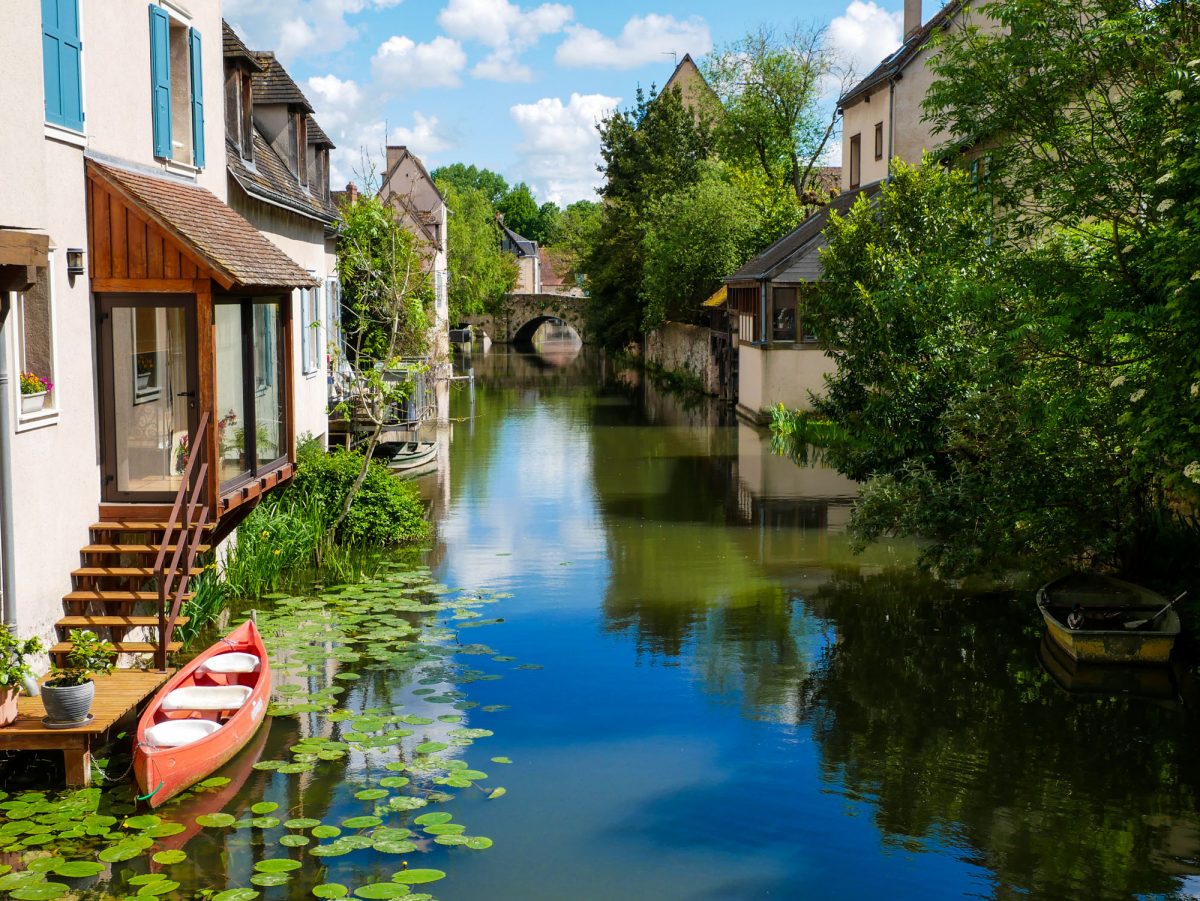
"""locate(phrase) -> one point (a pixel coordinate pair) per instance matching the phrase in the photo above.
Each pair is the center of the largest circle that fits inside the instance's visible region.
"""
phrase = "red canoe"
(203, 716)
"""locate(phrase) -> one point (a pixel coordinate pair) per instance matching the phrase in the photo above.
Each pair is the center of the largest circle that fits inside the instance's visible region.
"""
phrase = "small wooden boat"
(407, 455)
(1150, 683)
(1122, 622)
(203, 716)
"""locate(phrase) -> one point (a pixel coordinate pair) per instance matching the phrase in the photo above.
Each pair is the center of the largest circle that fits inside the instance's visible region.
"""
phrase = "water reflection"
(736, 705)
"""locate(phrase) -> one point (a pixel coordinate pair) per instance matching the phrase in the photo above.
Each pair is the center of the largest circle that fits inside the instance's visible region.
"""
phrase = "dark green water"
(731, 704)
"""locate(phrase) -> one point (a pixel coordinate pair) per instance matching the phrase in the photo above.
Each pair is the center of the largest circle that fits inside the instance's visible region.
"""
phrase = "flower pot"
(33, 403)
(68, 703)
(143, 381)
(8, 707)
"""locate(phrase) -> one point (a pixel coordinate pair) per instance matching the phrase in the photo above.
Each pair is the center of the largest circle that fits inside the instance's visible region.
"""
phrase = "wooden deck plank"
(116, 695)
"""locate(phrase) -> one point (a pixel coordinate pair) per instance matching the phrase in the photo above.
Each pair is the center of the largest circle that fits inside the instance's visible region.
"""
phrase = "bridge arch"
(524, 334)
(522, 315)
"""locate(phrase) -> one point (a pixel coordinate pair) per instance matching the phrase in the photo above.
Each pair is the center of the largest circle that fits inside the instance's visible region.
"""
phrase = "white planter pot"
(33, 403)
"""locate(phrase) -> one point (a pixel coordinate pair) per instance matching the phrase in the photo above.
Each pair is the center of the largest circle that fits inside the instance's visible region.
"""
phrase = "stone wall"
(687, 350)
(521, 310)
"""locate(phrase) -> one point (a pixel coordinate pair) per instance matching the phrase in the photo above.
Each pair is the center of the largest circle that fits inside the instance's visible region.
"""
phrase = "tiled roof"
(236, 49)
(771, 260)
(316, 135)
(519, 245)
(269, 178)
(902, 57)
(274, 85)
(201, 222)
(551, 268)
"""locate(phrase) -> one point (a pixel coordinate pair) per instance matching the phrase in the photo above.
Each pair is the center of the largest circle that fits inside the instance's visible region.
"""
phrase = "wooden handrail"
(184, 530)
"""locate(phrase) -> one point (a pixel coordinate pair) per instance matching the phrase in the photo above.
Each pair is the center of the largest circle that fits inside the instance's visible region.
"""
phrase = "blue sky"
(514, 86)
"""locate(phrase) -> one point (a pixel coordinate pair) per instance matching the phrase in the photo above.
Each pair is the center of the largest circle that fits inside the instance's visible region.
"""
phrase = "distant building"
(556, 278)
(529, 266)
(694, 89)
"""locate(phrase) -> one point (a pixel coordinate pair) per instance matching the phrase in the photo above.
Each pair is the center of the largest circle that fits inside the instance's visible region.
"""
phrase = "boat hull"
(162, 773)
(1089, 645)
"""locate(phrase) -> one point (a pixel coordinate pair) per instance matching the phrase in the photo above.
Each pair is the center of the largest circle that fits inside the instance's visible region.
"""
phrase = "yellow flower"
(278, 552)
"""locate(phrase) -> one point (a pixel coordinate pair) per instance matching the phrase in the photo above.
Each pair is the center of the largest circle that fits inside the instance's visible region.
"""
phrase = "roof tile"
(201, 222)
(274, 85)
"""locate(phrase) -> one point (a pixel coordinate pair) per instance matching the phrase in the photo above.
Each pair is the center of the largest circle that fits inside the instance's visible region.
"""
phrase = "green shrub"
(386, 511)
(274, 539)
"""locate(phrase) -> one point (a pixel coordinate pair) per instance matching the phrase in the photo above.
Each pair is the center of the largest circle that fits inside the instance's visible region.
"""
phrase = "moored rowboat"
(407, 455)
(203, 716)
(1122, 622)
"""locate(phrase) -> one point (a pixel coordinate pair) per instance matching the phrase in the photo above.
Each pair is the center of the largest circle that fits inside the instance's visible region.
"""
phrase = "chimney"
(393, 156)
(351, 193)
(912, 17)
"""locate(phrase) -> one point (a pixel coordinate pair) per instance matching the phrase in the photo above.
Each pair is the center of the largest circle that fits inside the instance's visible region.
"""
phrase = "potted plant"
(69, 692)
(34, 389)
(145, 369)
(14, 671)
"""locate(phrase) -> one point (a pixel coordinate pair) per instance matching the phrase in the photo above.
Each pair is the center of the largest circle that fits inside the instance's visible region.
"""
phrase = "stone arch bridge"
(523, 314)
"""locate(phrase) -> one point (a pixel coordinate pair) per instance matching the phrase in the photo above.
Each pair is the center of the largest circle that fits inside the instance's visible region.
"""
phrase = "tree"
(694, 238)
(386, 296)
(546, 229)
(575, 232)
(481, 274)
(775, 119)
(649, 151)
(520, 211)
(460, 175)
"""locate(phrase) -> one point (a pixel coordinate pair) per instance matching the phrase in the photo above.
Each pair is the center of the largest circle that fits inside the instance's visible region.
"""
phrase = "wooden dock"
(116, 695)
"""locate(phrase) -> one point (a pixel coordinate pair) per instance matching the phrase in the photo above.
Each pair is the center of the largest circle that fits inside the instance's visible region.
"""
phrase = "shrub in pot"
(69, 692)
(14, 671)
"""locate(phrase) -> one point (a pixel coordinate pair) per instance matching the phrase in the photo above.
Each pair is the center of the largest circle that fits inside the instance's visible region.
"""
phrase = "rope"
(152, 794)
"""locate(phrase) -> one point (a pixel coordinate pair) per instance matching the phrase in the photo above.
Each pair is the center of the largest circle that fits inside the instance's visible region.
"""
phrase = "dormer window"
(300, 123)
(239, 111)
(246, 131)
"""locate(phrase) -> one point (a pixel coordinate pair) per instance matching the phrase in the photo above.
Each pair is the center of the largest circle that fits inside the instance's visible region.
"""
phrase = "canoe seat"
(177, 733)
(207, 697)
(234, 662)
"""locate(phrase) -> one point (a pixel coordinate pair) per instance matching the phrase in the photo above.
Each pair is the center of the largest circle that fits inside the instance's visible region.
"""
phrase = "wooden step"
(135, 549)
(127, 622)
(134, 525)
(126, 572)
(121, 647)
(117, 597)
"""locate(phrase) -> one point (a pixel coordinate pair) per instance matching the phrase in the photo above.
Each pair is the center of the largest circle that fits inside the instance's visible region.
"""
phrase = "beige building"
(529, 260)
(160, 324)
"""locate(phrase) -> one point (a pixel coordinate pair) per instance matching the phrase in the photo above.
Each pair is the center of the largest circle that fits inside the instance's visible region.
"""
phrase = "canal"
(656, 670)
(734, 705)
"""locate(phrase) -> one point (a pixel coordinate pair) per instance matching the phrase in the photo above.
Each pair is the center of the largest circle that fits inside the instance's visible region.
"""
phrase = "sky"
(516, 87)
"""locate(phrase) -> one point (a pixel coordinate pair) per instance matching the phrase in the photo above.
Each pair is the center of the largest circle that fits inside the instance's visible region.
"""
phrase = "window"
(783, 322)
(878, 140)
(35, 351)
(855, 161)
(310, 329)
(177, 87)
(301, 148)
(333, 316)
(238, 111)
(62, 72)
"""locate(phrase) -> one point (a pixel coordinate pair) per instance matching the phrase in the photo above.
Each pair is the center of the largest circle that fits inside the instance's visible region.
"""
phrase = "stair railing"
(181, 539)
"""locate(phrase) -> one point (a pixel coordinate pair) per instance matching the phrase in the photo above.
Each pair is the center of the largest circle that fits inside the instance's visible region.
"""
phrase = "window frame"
(878, 140)
(179, 20)
(855, 178)
(49, 414)
(310, 330)
(64, 129)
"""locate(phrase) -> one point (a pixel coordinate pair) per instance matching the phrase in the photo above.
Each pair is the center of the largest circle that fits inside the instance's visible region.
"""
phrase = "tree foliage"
(1019, 377)
(649, 151)
(462, 176)
(481, 274)
(774, 119)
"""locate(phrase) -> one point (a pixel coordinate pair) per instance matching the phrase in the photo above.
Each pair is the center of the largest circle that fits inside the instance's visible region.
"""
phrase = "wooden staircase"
(135, 572)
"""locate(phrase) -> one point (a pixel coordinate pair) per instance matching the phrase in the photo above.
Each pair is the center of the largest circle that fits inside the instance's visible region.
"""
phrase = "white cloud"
(426, 138)
(560, 147)
(644, 39)
(508, 29)
(400, 63)
(864, 35)
(295, 27)
(349, 115)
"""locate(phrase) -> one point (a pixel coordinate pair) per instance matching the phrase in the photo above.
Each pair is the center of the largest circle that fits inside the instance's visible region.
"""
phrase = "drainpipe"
(8, 555)
(762, 325)
(891, 125)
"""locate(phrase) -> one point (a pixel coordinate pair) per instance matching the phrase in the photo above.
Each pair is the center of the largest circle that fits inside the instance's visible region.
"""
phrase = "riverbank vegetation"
(1018, 368)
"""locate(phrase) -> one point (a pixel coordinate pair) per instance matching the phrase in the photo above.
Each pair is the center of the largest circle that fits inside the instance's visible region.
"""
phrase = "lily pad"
(294, 841)
(39, 891)
(479, 842)
(169, 857)
(119, 852)
(333, 849)
(371, 794)
(330, 890)
(162, 887)
(270, 879)
(499, 792)
(145, 821)
(381, 891)
(418, 877)
(433, 819)
(280, 865)
(215, 782)
(216, 820)
(236, 894)
(361, 822)
(326, 832)
(264, 807)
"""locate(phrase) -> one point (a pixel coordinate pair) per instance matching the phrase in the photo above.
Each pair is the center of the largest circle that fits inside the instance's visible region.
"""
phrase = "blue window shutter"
(197, 98)
(160, 79)
(61, 68)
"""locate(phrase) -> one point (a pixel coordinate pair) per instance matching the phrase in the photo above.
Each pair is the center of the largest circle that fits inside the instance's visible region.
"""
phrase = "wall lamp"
(74, 261)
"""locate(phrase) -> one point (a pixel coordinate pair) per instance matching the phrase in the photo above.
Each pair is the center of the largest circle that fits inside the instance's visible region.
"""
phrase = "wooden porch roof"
(143, 227)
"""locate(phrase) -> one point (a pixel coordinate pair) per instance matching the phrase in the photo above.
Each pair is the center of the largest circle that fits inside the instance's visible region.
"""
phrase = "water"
(734, 705)
(730, 704)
